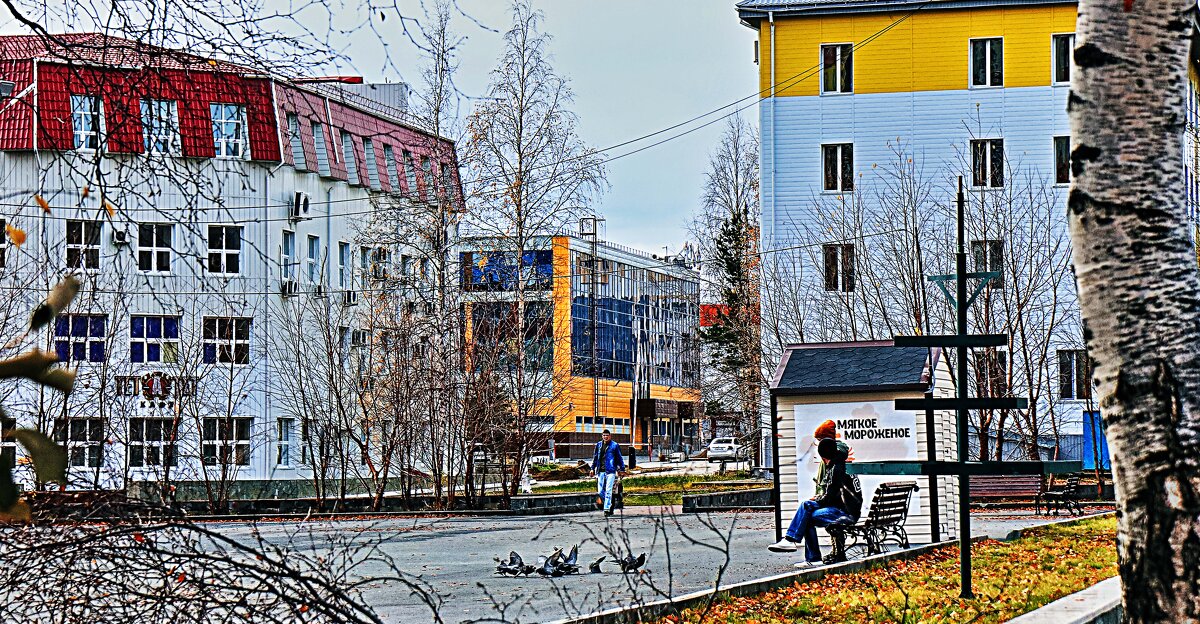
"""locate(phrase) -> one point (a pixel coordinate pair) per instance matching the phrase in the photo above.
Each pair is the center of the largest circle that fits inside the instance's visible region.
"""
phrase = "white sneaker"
(808, 564)
(783, 545)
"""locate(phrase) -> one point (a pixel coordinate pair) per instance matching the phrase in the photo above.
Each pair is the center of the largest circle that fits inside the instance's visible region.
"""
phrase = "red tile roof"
(106, 50)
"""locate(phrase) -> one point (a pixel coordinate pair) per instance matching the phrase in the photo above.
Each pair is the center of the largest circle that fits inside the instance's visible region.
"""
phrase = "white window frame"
(226, 347)
(353, 175)
(88, 339)
(1054, 39)
(285, 428)
(165, 344)
(429, 179)
(85, 444)
(87, 248)
(989, 155)
(842, 178)
(231, 138)
(288, 260)
(157, 249)
(987, 59)
(321, 145)
(991, 251)
(410, 175)
(164, 446)
(840, 59)
(1078, 379)
(313, 259)
(393, 170)
(159, 129)
(84, 107)
(371, 164)
(220, 435)
(224, 252)
(344, 259)
(846, 270)
(296, 143)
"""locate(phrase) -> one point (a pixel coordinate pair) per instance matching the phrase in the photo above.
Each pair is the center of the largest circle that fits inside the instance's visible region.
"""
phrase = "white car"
(725, 449)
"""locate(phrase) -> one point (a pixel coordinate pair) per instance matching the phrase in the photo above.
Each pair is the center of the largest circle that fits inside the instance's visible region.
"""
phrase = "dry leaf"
(15, 235)
(112, 210)
(43, 203)
(85, 192)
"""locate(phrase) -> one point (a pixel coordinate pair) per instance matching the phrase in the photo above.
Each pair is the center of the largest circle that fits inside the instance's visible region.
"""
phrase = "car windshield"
(723, 441)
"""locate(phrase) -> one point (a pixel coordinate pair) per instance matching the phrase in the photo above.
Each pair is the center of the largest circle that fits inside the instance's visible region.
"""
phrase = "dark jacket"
(841, 490)
(608, 459)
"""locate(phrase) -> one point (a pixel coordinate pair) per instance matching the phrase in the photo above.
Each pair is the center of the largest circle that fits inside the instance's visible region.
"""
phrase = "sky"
(636, 67)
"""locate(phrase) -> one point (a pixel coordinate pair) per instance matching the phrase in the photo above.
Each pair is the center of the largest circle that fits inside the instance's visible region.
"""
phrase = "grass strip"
(1010, 578)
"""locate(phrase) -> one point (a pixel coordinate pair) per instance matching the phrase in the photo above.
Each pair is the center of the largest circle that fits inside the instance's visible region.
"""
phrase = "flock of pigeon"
(558, 564)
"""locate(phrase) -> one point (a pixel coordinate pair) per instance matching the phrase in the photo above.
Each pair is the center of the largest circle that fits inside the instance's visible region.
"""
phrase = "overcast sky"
(636, 66)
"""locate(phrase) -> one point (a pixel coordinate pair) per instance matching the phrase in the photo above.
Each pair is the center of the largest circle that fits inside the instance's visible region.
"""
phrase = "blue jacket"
(608, 459)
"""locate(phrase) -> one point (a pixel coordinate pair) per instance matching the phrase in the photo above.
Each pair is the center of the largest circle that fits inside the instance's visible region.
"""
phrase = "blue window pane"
(171, 327)
(210, 353)
(79, 326)
(62, 326)
(79, 351)
(137, 327)
(135, 352)
(153, 353)
(97, 326)
(96, 351)
(154, 327)
(62, 349)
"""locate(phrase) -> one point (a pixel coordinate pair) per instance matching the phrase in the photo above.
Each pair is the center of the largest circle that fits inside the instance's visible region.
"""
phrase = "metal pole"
(935, 520)
(775, 468)
(964, 482)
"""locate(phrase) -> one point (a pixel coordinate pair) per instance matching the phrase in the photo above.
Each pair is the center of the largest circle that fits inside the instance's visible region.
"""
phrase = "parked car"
(726, 449)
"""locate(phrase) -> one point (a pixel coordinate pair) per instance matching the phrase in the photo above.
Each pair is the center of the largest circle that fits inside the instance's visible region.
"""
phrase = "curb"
(1098, 604)
(672, 606)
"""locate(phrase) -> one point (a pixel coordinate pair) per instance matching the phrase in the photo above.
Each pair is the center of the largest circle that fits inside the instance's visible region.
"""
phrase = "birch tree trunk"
(1139, 290)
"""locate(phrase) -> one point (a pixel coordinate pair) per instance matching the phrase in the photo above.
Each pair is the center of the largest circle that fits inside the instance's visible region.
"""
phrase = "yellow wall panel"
(929, 51)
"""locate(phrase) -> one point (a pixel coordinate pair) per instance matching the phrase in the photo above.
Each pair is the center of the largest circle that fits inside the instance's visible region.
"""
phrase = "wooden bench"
(1064, 496)
(884, 523)
(1008, 487)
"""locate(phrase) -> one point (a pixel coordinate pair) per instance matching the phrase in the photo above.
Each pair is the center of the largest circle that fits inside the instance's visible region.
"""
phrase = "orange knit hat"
(827, 429)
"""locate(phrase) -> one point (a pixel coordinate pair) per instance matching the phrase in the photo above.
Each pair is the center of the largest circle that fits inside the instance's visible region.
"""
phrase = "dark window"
(225, 441)
(79, 337)
(987, 62)
(988, 255)
(1062, 160)
(83, 244)
(839, 267)
(154, 247)
(1074, 374)
(83, 439)
(226, 340)
(224, 249)
(1063, 46)
(152, 442)
(837, 69)
(837, 161)
(294, 142)
(987, 163)
(154, 339)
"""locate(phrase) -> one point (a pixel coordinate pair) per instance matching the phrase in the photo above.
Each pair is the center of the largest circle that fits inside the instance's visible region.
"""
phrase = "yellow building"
(610, 338)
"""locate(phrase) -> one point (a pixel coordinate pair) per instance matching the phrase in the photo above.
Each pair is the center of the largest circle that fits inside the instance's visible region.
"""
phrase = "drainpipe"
(774, 191)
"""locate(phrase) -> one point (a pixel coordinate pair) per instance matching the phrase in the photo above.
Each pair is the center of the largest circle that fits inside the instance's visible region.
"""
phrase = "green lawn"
(1010, 578)
(652, 490)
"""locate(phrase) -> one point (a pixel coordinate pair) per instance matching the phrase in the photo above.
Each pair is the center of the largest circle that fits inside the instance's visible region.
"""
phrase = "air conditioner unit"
(350, 298)
(289, 288)
(120, 237)
(319, 291)
(300, 206)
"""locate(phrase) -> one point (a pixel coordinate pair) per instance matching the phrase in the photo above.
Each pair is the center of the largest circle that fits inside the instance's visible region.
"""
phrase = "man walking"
(607, 463)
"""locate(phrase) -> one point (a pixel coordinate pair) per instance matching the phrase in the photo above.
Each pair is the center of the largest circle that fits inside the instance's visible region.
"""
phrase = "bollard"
(632, 458)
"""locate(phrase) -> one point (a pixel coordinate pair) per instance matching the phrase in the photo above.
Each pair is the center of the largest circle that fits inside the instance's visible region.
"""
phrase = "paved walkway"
(453, 558)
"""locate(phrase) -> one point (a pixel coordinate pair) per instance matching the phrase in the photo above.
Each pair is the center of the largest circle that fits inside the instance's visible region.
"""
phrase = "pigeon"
(545, 565)
(594, 567)
(570, 565)
(512, 567)
(629, 564)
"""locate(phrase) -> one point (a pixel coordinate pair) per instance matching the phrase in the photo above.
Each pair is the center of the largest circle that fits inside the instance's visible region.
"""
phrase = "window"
(839, 267)
(352, 176)
(80, 337)
(427, 178)
(287, 256)
(87, 121)
(160, 126)
(154, 339)
(3, 242)
(154, 247)
(837, 68)
(226, 340)
(225, 441)
(447, 182)
(1063, 45)
(393, 172)
(83, 245)
(295, 143)
(83, 439)
(987, 163)
(410, 174)
(152, 442)
(375, 262)
(1062, 160)
(838, 164)
(283, 443)
(1074, 374)
(322, 149)
(343, 262)
(224, 249)
(987, 62)
(371, 165)
(314, 259)
(988, 256)
(8, 446)
(229, 131)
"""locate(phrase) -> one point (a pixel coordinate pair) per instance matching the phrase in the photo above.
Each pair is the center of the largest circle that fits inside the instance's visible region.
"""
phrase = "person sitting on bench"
(840, 503)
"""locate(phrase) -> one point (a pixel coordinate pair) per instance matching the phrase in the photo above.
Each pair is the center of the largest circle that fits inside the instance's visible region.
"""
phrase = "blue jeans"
(604, 487)
(806, 521)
